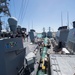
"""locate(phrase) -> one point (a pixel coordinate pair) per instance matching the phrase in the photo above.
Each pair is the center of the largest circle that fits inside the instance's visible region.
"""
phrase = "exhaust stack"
(13, 24)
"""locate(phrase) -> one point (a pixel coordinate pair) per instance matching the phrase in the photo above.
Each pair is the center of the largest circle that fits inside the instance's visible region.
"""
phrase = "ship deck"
(30, 47)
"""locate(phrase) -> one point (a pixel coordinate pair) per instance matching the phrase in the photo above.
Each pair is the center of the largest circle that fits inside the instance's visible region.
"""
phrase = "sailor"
(60, 46)
(23, 34)
(27, 36)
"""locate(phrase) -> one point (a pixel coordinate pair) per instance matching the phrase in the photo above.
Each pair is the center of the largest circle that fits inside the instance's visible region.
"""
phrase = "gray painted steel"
(13, 24)
(43, 34)
(62, 64)
(32, 38)
(71, 41)
(37, 61)
(0, 28)
(3, 1)
(11, 56)
(4, 7)
(61, 35)
(32, 48)
(49, 34)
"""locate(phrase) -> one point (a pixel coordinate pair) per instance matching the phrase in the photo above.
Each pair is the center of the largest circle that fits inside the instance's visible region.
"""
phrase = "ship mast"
(68, 20)
(3, 10)
(43, 29)
(4, 7)
(61, 19)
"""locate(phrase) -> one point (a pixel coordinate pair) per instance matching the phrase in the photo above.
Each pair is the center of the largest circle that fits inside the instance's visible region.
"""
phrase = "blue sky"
(43, 13)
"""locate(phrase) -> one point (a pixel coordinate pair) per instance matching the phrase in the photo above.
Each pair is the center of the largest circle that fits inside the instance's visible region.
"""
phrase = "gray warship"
(28, 54)
(14, 46)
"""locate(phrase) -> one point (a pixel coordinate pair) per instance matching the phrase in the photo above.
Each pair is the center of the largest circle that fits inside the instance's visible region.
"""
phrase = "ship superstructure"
(24, 53)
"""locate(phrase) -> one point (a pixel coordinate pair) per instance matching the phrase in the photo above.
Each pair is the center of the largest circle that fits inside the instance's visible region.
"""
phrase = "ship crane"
(4, 7)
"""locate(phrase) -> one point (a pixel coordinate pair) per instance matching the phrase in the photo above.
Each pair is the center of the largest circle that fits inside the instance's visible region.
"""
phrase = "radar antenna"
(4, 7)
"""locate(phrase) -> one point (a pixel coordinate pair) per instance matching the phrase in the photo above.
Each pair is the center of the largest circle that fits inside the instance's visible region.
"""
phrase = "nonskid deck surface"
(36, 64)
(37, 60)
(62, 64)
(30, 47)
(58, 62)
